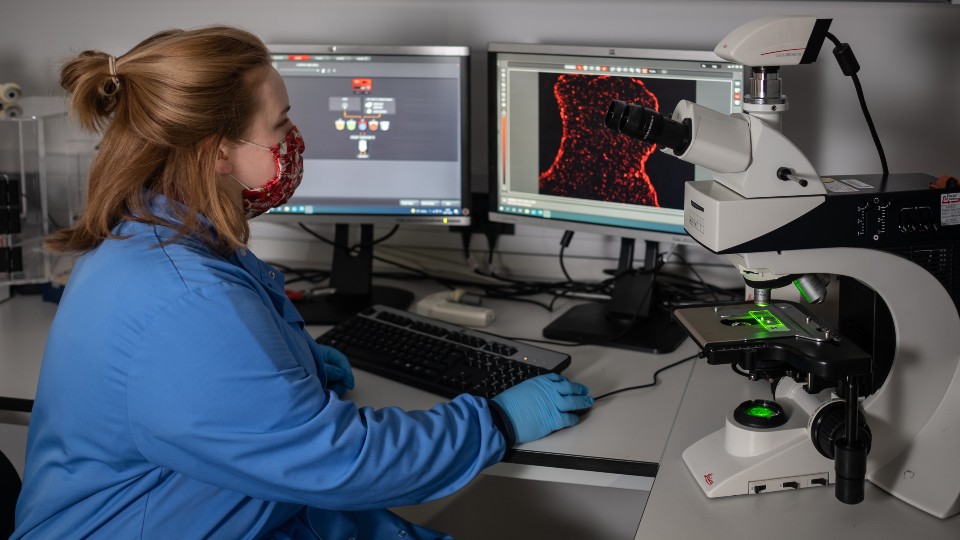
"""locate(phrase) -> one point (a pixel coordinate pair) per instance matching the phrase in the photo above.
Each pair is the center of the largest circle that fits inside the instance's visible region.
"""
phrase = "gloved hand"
(339, 373)
(539, 406)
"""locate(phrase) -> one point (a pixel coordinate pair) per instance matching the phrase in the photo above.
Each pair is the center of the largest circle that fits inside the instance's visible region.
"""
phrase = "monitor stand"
(351, 278)
(626, 321)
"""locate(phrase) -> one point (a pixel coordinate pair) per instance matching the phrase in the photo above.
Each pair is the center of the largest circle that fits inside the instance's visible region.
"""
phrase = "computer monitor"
(386, 133)
(555, 164)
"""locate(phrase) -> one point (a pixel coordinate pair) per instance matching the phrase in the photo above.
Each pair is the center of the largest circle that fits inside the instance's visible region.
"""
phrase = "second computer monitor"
(555, 164)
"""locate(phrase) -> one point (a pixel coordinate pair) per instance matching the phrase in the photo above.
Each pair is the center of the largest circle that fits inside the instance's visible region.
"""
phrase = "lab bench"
(621, 464)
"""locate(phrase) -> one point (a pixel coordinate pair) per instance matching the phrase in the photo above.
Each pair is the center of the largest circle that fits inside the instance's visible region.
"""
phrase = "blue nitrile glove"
(337, 368)
(539, 406)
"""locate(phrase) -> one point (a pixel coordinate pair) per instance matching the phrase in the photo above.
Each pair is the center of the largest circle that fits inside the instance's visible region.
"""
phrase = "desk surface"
(652, 426)
(613, 429)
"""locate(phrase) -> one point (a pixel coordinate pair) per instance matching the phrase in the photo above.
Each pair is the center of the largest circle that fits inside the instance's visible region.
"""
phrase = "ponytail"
(94, 90)
(163, 108)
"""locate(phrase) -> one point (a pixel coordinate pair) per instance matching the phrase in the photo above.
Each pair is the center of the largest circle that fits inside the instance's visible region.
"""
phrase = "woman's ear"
(224, 164)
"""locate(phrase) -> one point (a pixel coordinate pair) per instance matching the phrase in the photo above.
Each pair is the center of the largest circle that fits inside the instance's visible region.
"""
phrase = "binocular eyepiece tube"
(649, 126)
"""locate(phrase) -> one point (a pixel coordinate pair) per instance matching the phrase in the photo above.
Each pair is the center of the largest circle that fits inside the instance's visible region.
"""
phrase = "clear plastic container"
(41, 189)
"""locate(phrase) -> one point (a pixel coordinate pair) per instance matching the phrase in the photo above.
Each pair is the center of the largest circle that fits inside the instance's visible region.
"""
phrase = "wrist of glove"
(541, 405)
(337, 369)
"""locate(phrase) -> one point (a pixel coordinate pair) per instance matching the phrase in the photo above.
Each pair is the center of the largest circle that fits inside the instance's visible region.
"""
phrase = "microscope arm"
(762, 187)
(913, 416)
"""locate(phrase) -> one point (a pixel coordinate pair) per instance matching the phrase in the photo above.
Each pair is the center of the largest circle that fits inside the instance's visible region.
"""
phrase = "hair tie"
(112, 61)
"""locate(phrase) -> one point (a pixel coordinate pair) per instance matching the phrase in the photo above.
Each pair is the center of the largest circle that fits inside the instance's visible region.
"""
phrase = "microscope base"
(738, 460)
(796, 465)
(910, 475)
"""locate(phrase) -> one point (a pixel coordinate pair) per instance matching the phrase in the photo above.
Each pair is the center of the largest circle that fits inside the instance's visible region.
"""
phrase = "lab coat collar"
(272, 281)
(270, 278)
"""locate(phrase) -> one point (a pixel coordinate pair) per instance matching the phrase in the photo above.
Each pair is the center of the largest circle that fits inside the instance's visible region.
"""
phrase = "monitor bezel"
(465, 218)
(493, 49)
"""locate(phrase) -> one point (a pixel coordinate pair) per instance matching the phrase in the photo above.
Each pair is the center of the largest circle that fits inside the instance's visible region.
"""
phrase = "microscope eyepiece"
(648, 125)
(614, 113)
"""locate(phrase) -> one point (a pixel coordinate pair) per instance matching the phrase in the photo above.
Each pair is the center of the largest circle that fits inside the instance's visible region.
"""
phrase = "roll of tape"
(8, 110)
(10, 92)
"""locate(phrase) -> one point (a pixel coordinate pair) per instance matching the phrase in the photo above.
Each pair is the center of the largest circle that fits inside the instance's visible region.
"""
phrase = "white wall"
(908, 52)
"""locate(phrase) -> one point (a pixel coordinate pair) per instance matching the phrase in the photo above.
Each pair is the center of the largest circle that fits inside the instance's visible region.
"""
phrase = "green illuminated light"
(761, 412)
(768, 320)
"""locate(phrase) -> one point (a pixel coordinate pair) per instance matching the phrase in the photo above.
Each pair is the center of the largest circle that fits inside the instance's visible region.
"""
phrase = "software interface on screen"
(384, 132)
(555, 160)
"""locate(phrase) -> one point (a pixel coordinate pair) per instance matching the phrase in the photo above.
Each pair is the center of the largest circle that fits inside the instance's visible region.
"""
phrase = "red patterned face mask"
(289, 157)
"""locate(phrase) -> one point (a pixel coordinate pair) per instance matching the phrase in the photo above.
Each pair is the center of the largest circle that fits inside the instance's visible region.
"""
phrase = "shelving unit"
(41, 189)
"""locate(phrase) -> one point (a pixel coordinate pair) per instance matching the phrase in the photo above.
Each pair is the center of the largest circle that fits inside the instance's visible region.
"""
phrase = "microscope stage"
(782, 332)
(745, 321)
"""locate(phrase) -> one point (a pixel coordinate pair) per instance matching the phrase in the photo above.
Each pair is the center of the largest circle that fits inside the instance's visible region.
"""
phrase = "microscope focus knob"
(828, 430)
(828, 423)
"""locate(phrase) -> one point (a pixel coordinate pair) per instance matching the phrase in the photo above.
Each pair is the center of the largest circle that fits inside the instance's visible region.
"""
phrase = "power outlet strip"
(439, 306)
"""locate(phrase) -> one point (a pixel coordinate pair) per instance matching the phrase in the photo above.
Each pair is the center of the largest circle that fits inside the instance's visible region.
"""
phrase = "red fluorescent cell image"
(581, 158)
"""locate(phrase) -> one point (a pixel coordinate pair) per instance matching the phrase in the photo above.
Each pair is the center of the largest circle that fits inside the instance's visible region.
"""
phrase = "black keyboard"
(436, 356)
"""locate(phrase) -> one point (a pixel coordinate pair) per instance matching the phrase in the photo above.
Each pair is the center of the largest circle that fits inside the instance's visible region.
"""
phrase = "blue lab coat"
(181, 397)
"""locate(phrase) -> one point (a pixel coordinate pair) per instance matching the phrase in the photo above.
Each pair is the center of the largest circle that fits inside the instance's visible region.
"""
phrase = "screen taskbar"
(561, 215)
(313, 209)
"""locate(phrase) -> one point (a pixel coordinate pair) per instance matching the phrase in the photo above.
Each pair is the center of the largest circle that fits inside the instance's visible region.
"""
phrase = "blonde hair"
(163, 108)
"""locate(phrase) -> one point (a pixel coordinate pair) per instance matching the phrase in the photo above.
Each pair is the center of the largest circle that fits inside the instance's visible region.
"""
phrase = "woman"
(180, 396)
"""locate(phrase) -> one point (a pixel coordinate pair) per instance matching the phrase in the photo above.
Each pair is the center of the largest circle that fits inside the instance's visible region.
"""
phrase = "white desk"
(614, 446)
(625, 433)
(650, 426)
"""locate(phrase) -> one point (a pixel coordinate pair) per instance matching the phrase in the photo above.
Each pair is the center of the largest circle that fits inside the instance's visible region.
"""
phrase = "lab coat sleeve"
(216, 392)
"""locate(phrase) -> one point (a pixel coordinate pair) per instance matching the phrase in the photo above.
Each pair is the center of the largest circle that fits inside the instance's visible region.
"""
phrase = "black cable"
(416, 271)
(628, 327)
(310, 275)
(736, 369)
(356, 247)
(680, 294)
(492, 237)
(699, 277)
(524, 301)
(514, 289)
(873, 129)
(465, 237)
(850, 67)
(509, 289)
(564, 242)
(372, 243)
(648, 385)
(531, 287)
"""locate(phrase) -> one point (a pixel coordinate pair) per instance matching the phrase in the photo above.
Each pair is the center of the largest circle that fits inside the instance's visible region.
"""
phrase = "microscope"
(875, 396)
